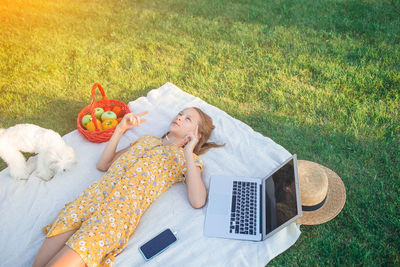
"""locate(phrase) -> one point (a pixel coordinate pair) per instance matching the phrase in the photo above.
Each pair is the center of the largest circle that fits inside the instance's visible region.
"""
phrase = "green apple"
(86, 119)
(108, 115)
(98, 112)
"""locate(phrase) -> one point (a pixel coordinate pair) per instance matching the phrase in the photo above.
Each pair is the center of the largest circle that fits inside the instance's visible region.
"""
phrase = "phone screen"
(158, 244)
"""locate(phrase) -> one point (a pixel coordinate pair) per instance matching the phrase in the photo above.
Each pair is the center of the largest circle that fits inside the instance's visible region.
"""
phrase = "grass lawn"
(321, 78)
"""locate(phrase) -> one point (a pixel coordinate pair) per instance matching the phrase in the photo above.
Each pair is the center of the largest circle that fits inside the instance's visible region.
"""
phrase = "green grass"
(321, 78)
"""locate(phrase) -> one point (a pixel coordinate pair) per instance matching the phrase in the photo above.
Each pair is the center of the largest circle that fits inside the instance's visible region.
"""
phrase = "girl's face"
(185, 122)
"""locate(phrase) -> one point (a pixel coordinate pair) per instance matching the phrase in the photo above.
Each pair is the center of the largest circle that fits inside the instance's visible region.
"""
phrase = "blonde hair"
(206, 127)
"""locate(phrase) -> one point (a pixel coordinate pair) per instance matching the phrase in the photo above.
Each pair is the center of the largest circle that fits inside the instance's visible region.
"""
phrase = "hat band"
(315, 207)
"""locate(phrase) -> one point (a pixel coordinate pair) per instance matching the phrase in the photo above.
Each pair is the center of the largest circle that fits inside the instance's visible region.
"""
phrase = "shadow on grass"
(352, 34)
(350, 17)
(367, 230)
(58, 114)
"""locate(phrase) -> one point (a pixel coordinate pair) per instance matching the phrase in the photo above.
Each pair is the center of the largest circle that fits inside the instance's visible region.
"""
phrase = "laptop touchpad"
(219, 204)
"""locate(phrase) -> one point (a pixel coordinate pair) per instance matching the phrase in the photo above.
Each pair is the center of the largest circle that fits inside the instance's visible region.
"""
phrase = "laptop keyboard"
(243, 210)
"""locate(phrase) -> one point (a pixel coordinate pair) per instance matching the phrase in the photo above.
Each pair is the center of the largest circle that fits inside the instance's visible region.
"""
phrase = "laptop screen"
(281, 199)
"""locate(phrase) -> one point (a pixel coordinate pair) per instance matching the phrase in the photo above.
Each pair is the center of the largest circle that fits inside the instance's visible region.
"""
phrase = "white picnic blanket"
(26, 206)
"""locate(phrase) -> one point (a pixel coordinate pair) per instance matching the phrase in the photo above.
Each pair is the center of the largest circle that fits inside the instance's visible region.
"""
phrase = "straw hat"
(322, 193)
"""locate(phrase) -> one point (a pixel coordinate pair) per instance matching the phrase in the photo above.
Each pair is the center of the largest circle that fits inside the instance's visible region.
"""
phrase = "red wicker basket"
(98, 136)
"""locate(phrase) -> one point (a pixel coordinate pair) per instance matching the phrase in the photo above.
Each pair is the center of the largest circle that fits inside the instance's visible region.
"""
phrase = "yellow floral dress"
(108, 211)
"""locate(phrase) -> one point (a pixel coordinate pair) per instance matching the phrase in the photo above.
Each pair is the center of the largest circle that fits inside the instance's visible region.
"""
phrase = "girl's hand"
(131, 120)
(191, 140)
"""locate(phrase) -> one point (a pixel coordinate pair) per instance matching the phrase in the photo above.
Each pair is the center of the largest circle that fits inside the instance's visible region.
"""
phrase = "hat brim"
(335, 200)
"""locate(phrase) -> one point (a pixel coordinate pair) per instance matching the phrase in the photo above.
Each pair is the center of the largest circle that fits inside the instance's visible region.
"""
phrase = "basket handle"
(96, 85)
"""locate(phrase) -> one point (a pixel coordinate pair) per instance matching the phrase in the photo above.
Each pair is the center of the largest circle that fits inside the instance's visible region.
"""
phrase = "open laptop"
(253, 208)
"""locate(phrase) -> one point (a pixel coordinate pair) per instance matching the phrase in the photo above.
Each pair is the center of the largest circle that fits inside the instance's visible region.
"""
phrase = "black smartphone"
(157, 244)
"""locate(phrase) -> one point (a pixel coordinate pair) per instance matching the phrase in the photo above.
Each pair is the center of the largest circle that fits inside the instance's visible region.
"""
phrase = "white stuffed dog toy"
(53, 154)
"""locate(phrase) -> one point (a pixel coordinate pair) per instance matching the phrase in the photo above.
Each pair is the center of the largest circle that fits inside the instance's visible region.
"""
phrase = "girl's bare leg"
(50, 247)
(66, 257)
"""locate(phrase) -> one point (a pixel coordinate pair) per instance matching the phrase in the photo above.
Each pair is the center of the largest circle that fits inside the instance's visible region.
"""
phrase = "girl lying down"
(94, 228)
